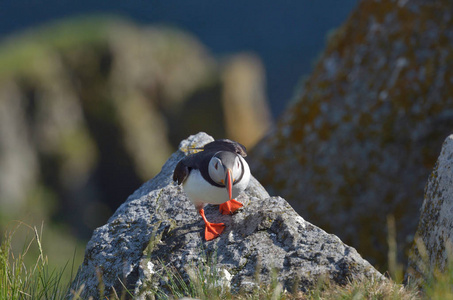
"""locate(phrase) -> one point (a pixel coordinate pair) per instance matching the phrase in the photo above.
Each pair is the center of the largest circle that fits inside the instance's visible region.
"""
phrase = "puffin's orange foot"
(229, 207)
(213, 230)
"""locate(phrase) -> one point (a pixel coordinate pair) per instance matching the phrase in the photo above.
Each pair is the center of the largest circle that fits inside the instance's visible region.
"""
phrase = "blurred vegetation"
(22, 53)
(29, 273)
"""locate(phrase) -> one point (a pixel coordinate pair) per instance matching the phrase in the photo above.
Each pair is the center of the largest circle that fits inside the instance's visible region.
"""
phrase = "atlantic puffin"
(216, 175)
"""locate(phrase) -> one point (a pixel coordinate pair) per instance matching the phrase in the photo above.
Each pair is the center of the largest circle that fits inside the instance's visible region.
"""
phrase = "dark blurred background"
(287, 36)
(95, 95)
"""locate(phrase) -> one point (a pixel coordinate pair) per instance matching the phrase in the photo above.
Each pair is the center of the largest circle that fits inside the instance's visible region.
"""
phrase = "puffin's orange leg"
(230, 207)
(212, 230)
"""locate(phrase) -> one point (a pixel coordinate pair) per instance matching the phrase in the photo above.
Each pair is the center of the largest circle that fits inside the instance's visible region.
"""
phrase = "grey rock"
(433, 241)
(158, 228)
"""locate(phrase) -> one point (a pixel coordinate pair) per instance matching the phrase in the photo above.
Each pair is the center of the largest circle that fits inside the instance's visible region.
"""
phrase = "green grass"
(26, 274)
(209, 282)
(206, 283)
(20, 279)
(440, 285)
(365, 289)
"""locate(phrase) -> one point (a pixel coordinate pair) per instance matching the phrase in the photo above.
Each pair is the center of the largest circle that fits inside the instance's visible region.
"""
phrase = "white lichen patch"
(150, 267)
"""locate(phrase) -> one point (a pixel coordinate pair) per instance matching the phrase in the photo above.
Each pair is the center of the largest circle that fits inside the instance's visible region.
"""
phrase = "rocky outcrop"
(92, 107)
(432, 250)
(365, 132)
(158, 228)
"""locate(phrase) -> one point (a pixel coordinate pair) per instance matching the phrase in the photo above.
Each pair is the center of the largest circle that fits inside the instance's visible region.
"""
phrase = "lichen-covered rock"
(365, 132)
(432, 249)
(158, 228)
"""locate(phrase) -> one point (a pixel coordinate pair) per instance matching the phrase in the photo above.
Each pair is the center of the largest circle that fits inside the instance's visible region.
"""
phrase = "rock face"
(368, 125)
(158, 226)
(433, 247)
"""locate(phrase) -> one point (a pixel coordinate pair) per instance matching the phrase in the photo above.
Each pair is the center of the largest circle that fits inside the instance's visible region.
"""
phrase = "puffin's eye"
(216, 165)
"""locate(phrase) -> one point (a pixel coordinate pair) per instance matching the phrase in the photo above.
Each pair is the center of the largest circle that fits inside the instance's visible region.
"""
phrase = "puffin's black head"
(225, 168)
(226, 145)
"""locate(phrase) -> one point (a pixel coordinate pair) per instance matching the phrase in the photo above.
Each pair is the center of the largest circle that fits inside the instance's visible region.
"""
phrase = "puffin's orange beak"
(229, 184)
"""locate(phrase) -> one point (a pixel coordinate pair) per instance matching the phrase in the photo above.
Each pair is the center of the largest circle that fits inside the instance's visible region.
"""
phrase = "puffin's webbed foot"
(212, 230)
(229, 207)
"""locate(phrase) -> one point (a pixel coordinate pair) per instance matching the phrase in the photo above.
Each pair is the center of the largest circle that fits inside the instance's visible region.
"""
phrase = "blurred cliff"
(90, 108)
(361, 140)
(286, 35)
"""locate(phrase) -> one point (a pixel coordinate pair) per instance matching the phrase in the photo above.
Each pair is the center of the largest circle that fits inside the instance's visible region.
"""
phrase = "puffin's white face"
(225, 168)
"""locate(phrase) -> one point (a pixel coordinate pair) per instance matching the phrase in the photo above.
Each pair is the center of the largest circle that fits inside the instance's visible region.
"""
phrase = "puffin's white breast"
(200, 191)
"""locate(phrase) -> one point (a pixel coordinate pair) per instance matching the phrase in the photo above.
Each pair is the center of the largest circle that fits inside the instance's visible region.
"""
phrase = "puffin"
(215, 175)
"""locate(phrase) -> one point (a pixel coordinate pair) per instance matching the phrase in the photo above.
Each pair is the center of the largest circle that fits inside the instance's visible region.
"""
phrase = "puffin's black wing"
(226, 145)
(181, 172)
(183, 168)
